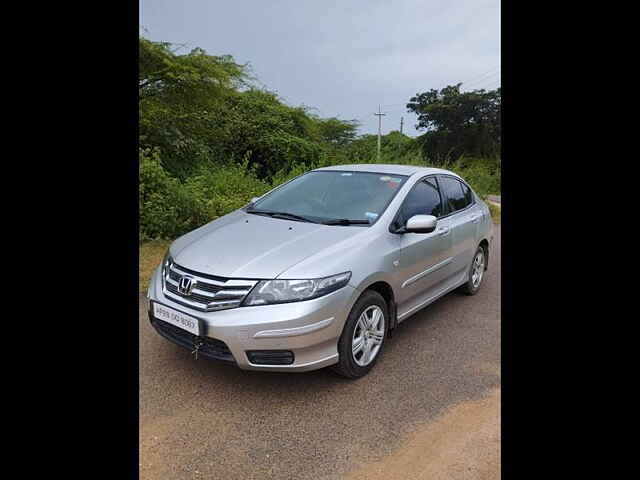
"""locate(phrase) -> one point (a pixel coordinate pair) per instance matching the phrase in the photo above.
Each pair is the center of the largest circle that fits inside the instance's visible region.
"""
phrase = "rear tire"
(363, 336)
(476, 272)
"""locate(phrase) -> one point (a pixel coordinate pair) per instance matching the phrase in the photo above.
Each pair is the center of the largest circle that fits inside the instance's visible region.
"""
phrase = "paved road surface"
(430, 408)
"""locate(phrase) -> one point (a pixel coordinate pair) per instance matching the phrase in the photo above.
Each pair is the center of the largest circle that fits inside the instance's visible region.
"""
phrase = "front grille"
(210, 347)
(210, 288)
(204, 299)
(209, 292)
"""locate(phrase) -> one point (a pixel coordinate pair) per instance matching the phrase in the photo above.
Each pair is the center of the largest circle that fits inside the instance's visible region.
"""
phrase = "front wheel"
(363, 336)
(476, 272)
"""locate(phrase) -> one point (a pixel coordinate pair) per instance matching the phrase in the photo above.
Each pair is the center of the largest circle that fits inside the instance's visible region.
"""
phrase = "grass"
(495, 212)
(151, 254)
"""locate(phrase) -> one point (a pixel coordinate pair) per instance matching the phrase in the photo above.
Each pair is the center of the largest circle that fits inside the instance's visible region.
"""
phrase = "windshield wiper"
(346, 221)
(286, 215)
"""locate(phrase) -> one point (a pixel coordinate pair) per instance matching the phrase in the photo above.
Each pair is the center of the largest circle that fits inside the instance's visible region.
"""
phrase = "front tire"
(363, 336)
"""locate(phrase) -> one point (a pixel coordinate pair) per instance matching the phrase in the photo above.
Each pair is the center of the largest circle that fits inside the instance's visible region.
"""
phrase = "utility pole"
(401, 122)
(380, 115)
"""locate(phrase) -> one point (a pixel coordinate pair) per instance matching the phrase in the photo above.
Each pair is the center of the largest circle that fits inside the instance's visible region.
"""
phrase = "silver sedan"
(318, 271)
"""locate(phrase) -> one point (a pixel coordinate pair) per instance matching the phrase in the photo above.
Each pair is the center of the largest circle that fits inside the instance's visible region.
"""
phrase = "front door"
(424, 257)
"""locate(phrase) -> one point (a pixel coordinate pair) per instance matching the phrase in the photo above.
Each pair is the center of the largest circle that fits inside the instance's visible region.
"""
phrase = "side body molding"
(429, 270)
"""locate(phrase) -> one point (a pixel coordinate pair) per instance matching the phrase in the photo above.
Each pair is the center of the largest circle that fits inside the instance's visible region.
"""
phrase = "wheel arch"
(484, 243)
(386, 291)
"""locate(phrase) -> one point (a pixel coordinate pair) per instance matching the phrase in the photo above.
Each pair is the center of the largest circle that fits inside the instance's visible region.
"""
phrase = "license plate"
(176, 318)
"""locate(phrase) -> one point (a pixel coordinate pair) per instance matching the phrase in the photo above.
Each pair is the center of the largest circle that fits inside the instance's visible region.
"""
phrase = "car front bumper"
(310, 329)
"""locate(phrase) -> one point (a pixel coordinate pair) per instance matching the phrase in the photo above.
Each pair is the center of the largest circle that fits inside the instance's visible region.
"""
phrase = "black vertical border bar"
(132, 242)
(506, 367)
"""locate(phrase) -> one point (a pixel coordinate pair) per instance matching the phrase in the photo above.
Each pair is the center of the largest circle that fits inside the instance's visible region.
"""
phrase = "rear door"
(424, 257)
(475, 212)
(463, 215)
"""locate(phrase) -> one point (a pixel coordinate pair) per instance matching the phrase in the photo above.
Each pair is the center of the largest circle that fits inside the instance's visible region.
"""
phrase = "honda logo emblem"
(186, 285)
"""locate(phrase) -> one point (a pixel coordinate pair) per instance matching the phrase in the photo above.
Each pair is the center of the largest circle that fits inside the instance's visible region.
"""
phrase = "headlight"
(284, 291)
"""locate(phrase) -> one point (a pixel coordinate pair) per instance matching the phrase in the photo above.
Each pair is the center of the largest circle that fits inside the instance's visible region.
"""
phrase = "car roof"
(391, 169)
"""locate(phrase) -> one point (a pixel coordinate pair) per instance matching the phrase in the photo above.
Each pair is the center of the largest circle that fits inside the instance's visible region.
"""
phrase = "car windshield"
(333, 197)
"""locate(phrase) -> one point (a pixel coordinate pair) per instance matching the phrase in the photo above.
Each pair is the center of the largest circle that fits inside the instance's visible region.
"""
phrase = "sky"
(343, 58)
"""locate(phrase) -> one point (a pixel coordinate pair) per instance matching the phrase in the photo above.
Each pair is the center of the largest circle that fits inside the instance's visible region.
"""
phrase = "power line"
(474, 79)
(482, 80)
(486, 83)
(492, 74)
(480, 76)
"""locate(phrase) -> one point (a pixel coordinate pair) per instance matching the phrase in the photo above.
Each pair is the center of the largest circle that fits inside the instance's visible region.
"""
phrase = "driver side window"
(423, 199)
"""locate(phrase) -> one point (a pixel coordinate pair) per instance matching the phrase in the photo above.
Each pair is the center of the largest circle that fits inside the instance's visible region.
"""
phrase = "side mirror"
(421, 224)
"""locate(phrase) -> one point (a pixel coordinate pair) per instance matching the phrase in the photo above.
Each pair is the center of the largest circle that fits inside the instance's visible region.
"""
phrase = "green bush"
(226, 188)
(170, 208)
(483, 174)
(166, 208)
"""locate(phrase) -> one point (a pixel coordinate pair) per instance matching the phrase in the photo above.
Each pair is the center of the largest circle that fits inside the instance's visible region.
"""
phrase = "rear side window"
(423, 199)
(458, 196)
(467, 193)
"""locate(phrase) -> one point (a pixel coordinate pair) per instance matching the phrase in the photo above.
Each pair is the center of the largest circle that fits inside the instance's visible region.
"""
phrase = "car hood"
(241, 245)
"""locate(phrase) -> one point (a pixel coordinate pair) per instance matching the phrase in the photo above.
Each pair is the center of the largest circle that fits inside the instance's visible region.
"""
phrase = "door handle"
(475, 218)
(442, 231)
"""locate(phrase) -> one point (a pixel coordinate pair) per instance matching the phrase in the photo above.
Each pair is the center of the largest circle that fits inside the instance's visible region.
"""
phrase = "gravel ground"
(429, 409)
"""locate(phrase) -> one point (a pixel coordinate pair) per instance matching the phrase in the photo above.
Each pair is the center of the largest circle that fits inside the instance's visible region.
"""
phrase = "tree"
(202, 110)
(180, 96)
(271, 135)
(338, 132)
(458, 123)
(193, 77)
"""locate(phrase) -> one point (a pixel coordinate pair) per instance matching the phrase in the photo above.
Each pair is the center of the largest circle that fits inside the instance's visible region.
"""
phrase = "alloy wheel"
(368, 335)
(478, 269)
